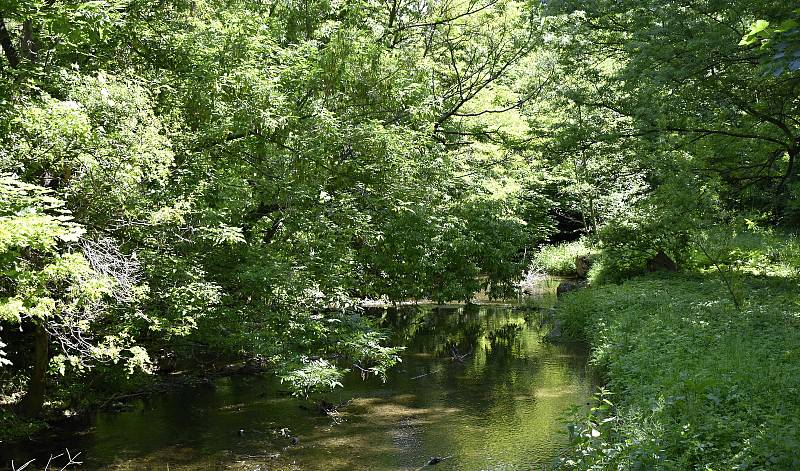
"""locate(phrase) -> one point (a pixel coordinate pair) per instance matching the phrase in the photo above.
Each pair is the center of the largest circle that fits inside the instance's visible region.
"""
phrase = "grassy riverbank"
(692, 380)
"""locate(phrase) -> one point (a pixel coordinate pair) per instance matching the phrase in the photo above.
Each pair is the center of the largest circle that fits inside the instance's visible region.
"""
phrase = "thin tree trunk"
(34, 400)
(8, 45)
(27, 44)
(781, 196)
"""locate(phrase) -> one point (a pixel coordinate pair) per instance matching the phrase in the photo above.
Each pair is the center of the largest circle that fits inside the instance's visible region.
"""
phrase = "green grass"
(559, 260)
(753, 251)
(696, 383)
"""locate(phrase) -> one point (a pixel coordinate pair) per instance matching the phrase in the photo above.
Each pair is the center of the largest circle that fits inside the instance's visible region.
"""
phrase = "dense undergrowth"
(692, 381)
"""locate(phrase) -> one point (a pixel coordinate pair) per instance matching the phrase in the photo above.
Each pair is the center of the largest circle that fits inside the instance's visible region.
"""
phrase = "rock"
(295, 441)
(661, 262)
(582, 265)
(566, 287)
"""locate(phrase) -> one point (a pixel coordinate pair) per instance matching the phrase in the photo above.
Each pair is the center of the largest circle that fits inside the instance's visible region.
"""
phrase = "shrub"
(750, 249)
(559, 260)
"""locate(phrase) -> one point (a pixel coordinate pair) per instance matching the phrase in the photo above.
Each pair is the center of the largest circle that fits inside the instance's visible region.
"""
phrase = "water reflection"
(477, 386)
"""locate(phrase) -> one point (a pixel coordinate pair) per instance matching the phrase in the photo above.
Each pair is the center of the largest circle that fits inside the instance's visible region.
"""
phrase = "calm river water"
(502, 408)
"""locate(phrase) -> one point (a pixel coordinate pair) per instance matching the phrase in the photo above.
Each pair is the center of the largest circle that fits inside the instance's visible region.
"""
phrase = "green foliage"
(312, 376)
(750, 249)
(559, 260)
(664, 221)
(779, 43)
(698, 384)
(102, 146)
(14, 427)
(44, 283)
(258, 169)
(655, 87)
(591, 427)
(240, 175)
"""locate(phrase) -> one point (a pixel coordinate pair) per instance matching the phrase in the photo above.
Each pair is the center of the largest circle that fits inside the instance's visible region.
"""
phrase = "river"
(501, 408)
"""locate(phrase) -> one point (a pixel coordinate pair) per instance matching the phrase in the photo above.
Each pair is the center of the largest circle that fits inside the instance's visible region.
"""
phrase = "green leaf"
(752, 36)
(786, 26)
(759, 26)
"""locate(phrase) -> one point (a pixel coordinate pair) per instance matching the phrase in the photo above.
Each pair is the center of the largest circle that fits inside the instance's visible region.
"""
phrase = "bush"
(559, 260)
(663, 221)
(750, 249)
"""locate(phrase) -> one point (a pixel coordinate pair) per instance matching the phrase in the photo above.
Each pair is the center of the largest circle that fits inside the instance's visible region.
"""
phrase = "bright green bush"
(559, 260)
(696, 383)
(749, 249)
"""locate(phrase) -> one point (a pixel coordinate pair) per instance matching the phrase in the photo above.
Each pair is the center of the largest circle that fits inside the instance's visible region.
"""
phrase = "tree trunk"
(8, 45)
(34, 400)
(27, 44)
(782, 196)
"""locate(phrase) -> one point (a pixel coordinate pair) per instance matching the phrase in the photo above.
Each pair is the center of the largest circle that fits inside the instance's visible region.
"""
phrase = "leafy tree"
(266, 165)
(651, 91)
(51, 289)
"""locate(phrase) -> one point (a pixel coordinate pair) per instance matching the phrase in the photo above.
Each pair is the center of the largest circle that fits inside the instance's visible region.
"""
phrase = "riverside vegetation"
(696, 376)
(190, 184)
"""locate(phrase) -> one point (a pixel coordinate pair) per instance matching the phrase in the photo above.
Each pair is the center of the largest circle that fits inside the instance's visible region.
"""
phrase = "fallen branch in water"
(13, 468)
(455, 356)
(120, 397)
(71, 461)
(426, 374)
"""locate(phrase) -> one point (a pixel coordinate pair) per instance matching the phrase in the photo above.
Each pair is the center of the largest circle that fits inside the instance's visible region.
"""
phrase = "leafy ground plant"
(699, 384)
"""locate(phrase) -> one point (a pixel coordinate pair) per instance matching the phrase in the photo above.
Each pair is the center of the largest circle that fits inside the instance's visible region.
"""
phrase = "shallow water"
(500, 409)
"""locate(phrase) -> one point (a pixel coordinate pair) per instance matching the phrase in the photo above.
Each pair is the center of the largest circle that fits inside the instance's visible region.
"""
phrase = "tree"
(268, 163)
(48, 287)
(655, 87)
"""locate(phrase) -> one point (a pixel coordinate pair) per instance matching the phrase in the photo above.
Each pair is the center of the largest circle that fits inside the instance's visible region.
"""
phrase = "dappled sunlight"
(373, 234)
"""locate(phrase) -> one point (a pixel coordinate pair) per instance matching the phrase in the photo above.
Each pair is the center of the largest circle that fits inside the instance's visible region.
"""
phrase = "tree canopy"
(246, 172)
(239, 176)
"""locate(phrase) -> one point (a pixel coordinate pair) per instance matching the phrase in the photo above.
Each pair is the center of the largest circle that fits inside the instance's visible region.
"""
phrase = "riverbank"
(76, 404)
(693, 382)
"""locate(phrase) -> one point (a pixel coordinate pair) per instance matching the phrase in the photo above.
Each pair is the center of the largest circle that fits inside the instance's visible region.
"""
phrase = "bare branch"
(21, 467)
(106, 259)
